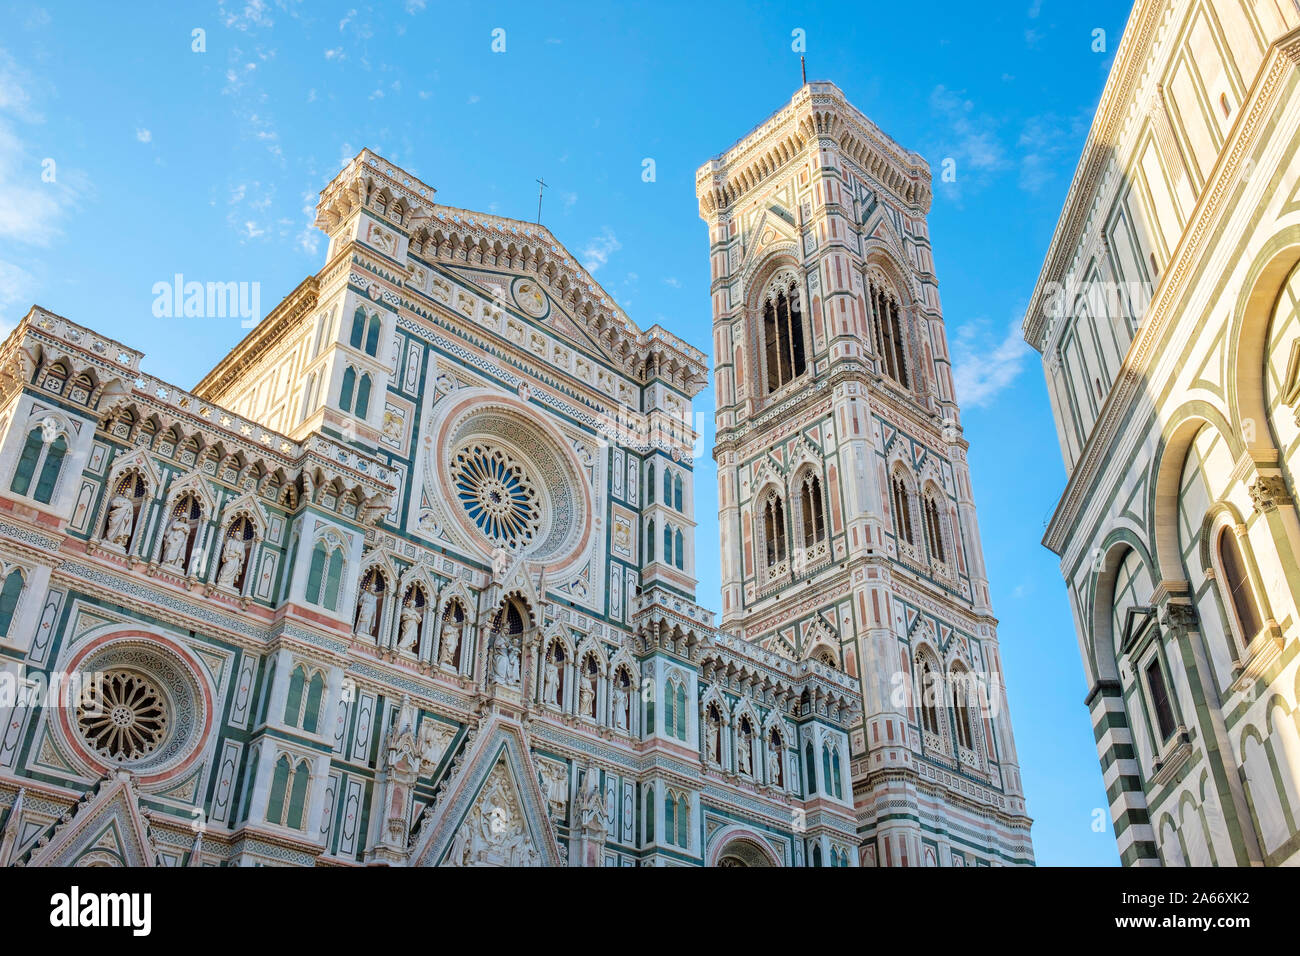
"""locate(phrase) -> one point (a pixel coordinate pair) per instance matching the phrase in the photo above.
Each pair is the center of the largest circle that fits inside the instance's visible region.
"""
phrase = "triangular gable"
(109, 824)
(494, 811)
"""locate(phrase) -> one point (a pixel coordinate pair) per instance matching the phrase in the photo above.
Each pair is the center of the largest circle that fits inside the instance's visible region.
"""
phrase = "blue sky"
(166, 160)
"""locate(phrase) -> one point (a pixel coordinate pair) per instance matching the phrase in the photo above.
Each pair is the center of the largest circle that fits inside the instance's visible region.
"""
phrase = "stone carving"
(232, 562)
(1268, 492)
(505, 660)
(555, 783)
(591, 801)
(494, 832)
(450, 641)
(121, 520)
(366, 608)
(410, 631)
(435, 737)
(743, 753)
(174, 541)
(587, 696)
(622, 702)
(774, 764)
(551, 681)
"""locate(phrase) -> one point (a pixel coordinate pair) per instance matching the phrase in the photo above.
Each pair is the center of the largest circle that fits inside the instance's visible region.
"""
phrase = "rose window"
(497, 494)
(124, 717)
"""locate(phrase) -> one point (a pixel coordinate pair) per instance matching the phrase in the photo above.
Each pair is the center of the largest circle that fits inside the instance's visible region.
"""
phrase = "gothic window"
(675, 709)
(783, 344)
(817, 854)
(678, 549)
(887, 321)
(668, 487)
(370, 604)
(677, 492)
(676, 818)
(668, 544)
(348, 389)
(1160, 702)
(650, 484)
(961, 709)
(325, 575)
(288, 799)
(124, 716)
(809, 768)
(902, 501)
(363, 396)
(774, 529)
(1236, 585)
(929, 699)
(41, 459)
(812, 510)
(302, 705)
(831, 770)
(650, 541)
(10, 592)
(934, 529)
(372, 336)
(358, 328)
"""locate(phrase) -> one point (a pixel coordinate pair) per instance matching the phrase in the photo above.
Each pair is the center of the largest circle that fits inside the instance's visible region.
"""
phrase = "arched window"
(670, 817)
(679, 719)
(372, 336)
(678, 550)
(677, 492)
(1236, 586)
(961, 709)
(774, 529)
(650, 541)
(302, 704)
(817, 854)
(363, 396)
(288, 798)
(358, 328)
(348, 388)
(668, 487)
(315, 691)
(1160, 702)
(683, 819)
(812, 510)
(10, 592)
(887, 320)
(325, 576)
(293, 700)
(902, 509)
(41, 458)
(668, 544)
(783, 346)
(650, 484)
(933, 529)
(810, 768)
(929, 699)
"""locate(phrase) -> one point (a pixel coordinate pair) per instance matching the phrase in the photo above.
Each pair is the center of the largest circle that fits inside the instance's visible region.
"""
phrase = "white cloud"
(335, 54)
(415, 6)
(599, 249)
(143, 135)
(674, 282)
(984, 366)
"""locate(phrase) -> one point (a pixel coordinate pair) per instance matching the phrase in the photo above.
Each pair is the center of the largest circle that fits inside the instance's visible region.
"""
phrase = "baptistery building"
(1167, 317)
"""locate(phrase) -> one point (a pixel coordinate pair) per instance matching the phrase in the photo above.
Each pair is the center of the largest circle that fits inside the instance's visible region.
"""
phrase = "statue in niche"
(587, 695)
(551, 680)
(555, 782)
(622, 701)
(502, 668)
(232, 562)
(743, 753)
(174, 540)
(450, 640)
(410, 631)
(368, 606)
(121, 519)
(715, 737)
(774, 763)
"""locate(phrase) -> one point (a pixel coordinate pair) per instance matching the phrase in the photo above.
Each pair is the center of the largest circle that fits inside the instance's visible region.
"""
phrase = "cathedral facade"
(408, 578)
(1166, 315)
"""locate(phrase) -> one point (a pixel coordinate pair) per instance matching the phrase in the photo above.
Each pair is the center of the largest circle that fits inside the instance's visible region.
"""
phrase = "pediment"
(107, 829)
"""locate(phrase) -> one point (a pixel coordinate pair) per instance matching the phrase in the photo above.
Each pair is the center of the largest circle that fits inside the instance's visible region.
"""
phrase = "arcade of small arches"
(927, 511)
(775, 526)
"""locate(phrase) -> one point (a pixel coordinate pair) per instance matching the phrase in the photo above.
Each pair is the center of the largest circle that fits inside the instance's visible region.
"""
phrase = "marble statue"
(121, 519)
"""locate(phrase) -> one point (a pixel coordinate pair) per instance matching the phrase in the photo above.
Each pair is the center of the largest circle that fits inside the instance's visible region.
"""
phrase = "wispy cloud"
(1045, 142)
(983, 365)
(143, 135)
(598, 249)
(970, 141)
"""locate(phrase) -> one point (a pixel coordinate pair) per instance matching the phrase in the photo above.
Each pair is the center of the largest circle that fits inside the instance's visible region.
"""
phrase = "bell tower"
(847, 522)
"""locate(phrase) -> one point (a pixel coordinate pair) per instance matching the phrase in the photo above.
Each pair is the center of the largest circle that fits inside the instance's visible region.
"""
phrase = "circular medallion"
(530, 297)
